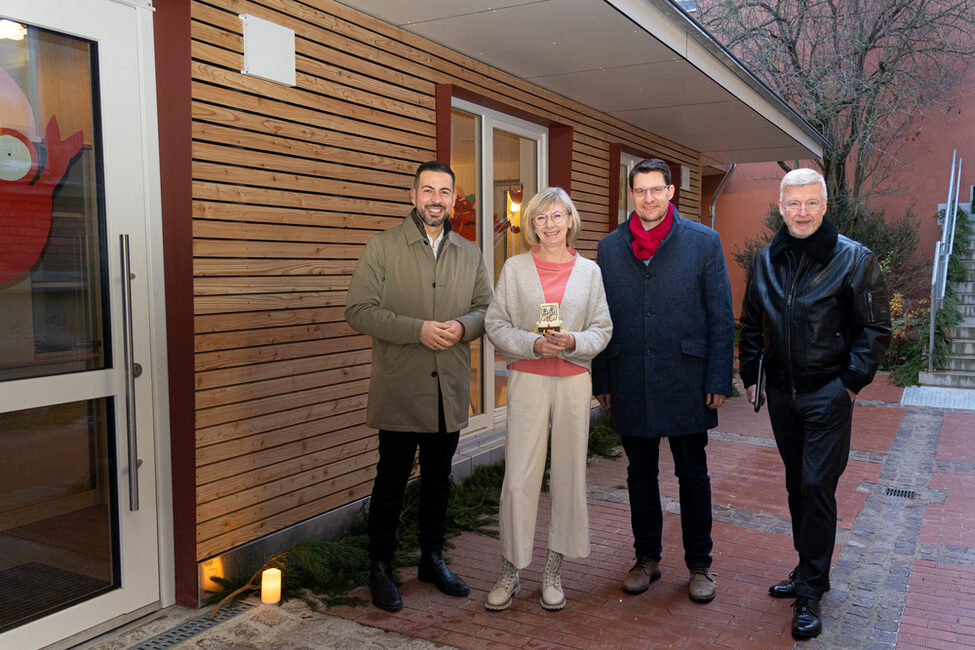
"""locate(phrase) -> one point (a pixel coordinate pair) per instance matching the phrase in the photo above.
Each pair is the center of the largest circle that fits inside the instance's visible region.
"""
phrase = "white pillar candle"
(271, 586)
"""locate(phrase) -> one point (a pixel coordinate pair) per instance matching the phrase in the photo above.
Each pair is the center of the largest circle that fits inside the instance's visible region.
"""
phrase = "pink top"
(553, 276)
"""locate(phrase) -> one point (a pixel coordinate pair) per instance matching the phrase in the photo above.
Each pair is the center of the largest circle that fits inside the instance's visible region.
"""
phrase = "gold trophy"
(548, 318)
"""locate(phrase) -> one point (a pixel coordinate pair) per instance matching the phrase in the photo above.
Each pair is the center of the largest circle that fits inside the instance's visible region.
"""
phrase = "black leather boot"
(433, 569)
(385, 595)
(806, 622)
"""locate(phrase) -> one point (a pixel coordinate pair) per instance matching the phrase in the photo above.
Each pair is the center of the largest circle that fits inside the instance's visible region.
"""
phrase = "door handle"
(128, 352)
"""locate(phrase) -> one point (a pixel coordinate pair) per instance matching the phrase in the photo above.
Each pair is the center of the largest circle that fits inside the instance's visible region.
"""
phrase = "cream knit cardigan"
(513, 313)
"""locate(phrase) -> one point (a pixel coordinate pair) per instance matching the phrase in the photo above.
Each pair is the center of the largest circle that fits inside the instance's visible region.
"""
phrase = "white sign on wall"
(269, 50)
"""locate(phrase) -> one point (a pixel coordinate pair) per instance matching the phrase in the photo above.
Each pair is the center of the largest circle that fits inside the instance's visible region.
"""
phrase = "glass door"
(500, 164)
(78, 535)
(515, 159)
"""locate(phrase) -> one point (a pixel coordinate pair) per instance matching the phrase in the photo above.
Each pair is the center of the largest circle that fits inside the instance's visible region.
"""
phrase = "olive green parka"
(397, 284)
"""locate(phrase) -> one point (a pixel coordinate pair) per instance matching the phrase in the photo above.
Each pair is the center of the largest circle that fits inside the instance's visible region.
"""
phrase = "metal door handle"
(129, 366)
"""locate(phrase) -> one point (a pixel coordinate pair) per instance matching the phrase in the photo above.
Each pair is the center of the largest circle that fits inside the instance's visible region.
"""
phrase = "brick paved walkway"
(903, 576)
(904, 568)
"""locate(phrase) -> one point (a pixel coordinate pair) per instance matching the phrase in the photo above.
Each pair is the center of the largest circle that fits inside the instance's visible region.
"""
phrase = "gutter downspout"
(717, 193)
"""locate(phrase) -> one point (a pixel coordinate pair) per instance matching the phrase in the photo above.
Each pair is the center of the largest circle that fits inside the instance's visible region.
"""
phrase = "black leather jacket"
(816, 315)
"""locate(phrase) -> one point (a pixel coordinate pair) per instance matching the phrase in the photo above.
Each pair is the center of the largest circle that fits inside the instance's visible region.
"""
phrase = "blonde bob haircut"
(541, 203)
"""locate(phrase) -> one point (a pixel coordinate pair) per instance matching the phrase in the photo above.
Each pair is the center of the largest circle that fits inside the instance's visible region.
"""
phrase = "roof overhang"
(645, 62)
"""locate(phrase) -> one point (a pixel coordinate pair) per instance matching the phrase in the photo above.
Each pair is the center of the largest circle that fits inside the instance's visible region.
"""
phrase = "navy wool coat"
(673, 331)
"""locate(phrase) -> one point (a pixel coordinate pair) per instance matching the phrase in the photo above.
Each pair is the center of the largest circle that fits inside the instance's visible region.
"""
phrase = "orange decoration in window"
(464, 221)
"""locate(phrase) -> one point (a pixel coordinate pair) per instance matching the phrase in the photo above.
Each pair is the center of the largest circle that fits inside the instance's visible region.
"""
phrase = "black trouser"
(694, 488)
(812, 432)
(397, 450)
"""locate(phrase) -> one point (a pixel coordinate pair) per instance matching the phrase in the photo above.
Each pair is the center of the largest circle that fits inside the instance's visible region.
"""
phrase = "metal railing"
(942, 252)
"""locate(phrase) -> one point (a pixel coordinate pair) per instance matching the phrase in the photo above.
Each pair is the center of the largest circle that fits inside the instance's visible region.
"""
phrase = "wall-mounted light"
(12, 30)
(512, 205)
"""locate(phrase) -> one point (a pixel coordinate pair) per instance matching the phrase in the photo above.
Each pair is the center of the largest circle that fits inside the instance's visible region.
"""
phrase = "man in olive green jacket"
(420, 291)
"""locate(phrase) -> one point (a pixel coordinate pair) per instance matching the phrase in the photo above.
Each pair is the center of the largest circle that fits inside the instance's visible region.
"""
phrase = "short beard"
(433, 223)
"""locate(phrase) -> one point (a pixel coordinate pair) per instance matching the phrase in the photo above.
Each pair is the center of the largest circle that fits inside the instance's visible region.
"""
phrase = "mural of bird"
(27, 187)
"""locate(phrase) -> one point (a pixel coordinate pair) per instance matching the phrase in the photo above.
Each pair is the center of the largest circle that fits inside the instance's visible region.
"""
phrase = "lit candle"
(271, 586)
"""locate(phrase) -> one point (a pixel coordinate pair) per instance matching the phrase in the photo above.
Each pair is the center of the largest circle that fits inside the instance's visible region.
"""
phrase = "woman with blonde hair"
(549, 317)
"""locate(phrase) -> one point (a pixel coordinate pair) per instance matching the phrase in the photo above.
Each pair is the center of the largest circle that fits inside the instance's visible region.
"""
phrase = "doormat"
(32, 590)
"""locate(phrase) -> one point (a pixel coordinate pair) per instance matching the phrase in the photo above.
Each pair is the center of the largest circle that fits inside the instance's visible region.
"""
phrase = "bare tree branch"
(861, 71)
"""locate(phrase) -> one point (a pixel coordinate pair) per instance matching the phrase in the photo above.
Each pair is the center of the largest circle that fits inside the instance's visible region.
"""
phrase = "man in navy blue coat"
(667, 368)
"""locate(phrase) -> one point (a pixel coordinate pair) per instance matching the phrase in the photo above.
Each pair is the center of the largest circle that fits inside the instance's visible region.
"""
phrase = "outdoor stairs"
(960, 372)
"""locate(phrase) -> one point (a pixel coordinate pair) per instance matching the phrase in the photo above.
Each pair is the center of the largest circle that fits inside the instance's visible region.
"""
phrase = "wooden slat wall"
(289, 184)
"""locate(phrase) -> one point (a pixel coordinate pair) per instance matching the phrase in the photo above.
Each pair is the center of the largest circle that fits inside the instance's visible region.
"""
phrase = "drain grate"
(904, 494)
(191, 628)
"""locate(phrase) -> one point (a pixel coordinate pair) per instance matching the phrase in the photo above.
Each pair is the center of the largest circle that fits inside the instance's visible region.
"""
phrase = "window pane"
(465, 155)
(57, 505)
(52, 235)
(515, 174)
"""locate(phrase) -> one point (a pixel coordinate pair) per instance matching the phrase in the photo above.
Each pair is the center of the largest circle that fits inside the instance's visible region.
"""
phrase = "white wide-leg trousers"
(535, 401)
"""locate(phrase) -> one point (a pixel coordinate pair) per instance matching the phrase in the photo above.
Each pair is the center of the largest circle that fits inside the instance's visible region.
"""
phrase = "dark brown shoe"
(786, 588)
(638, 579)
(701, 587)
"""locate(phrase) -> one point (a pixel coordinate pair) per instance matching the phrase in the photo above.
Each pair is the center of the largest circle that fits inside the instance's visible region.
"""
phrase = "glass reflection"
(515, 174)
(52, 268)
(465, 154)
(57, 520)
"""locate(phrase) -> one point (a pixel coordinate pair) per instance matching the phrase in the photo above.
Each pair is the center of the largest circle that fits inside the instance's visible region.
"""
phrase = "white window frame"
(626, 206)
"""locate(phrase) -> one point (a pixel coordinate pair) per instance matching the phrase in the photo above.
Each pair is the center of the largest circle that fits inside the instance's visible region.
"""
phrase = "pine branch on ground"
(321, 572)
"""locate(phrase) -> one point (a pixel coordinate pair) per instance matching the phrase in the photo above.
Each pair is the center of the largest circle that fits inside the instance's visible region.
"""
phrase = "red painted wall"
(171, 26)
(741, 213)
(923, 183)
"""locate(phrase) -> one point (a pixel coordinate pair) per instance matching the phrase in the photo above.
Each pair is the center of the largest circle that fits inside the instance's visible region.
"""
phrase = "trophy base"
(543, 328)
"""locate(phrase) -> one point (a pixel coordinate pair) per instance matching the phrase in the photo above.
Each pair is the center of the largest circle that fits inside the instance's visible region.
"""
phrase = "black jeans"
(812, 432)
(397, 450)
(646, 515)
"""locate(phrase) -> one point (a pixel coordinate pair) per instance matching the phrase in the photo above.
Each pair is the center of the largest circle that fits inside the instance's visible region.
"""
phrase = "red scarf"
(647, 242)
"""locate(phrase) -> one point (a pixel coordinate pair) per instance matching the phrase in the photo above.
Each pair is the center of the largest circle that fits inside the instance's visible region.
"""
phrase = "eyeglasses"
(555, 217)
(640, 192)
(811, 206)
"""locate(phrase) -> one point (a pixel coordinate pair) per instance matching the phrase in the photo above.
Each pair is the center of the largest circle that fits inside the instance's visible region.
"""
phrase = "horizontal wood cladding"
(289, 183)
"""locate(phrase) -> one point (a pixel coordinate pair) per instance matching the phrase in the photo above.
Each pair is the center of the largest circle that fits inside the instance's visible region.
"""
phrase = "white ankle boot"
(507, 586)
(552, 595)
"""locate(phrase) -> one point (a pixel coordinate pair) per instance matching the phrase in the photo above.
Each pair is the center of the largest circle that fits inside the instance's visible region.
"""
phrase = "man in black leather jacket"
(816, 310)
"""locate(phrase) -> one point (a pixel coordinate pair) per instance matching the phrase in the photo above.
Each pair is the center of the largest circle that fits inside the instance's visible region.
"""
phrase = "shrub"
(894, 244)
(906, 356)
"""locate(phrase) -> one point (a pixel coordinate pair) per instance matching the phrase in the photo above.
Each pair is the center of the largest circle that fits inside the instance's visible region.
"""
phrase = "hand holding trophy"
(549, 326)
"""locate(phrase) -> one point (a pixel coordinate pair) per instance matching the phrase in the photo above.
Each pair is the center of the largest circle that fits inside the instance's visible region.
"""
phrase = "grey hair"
(540, 203)
(800, 177)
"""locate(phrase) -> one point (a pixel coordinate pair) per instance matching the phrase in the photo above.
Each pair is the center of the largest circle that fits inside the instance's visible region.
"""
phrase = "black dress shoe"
(433, 569)
(385, 595)
(805, 620)
(786, 588)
